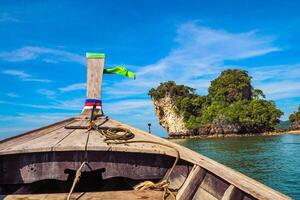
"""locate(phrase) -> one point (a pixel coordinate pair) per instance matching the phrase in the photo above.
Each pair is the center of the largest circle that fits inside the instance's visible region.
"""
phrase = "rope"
(112, 133)
(122, 136)
(76, 179)
(78, 171)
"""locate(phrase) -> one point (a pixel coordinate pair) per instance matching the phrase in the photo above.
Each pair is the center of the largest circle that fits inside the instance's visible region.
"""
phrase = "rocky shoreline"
(232, 135)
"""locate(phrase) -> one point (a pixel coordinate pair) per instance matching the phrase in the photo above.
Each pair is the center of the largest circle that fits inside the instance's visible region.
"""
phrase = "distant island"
(232, 107)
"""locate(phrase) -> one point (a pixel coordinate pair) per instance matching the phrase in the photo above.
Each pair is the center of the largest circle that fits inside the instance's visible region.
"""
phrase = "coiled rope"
(122, 136)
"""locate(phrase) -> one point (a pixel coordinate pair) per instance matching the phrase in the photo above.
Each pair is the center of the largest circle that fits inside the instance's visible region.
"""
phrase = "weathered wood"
(214, 185)
(28, 136)
(28, 168)
(232, 193)
(42, 143)
(76, 141)
(178, 177)
(191, 184)
(96, 143)
(202, 194)
(247, 198)
(121, 195)
(95, 68)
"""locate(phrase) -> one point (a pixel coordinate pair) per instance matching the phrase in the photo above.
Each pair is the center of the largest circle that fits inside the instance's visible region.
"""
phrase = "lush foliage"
(295, 116)
(231, 97)
(170, 88)
(230, 86)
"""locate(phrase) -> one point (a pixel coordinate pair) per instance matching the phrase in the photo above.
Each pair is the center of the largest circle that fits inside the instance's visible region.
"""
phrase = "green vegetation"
(295, 116)
(170, 88)
(231, 98)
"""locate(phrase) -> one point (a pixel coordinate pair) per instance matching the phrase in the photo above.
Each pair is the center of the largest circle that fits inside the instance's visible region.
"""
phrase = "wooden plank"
(232, 193)
(96, 143)
(19, 139)
(42, 143)
(247, 198)
(76, 141)
(178, 177)
(94, 77)
(214, 185)
(202, 194)
(191, 184)
(112, 195)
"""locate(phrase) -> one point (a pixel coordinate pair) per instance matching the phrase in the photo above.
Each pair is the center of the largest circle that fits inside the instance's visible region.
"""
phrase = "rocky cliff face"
(168, 118)
(295, 125)
(295, 120)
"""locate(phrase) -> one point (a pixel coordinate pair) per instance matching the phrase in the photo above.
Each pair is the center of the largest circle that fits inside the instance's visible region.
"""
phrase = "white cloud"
(18, 73)
(50, 94)
(24, 76)
(47, 60)
(278, 81)
(74, 104)
(72, 87)
(27, 122)
(6, 17)
(281, 90)
(12, 95)
(43, 118)
(47, 54)
(37, 80)
(127, 106)
(198, 57)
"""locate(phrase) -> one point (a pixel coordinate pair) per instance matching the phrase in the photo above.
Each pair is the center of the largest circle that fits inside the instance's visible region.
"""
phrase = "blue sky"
(43, 44)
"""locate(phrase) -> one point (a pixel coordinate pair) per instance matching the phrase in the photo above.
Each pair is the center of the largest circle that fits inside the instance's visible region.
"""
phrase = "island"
(231, 107)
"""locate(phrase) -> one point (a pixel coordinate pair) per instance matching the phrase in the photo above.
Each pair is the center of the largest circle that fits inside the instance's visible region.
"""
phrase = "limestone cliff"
(168, 118)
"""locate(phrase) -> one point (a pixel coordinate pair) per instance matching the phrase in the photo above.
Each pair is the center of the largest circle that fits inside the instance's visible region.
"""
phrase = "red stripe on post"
(92, 104)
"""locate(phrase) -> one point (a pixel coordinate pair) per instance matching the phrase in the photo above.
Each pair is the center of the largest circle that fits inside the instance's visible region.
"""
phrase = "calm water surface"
(272, 160)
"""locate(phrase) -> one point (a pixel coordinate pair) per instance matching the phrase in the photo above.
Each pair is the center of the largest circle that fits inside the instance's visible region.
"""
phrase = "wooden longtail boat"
(91, 156)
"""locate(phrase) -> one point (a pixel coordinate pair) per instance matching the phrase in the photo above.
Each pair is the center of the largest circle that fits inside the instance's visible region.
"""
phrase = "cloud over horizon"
(33, 52)
(198, 58)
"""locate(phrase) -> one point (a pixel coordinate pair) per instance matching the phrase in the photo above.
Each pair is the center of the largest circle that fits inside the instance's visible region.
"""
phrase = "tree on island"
(231, 99)
(295, 116)
(295, 120)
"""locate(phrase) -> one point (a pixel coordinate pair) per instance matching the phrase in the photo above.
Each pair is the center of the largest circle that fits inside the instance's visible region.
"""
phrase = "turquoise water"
(272, 160)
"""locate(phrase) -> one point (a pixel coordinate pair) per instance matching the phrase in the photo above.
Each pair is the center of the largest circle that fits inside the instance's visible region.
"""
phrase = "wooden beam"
(122, 195)
(95, 66)
(232, 192)
(191, 184)
(214, 185)
(203, 194)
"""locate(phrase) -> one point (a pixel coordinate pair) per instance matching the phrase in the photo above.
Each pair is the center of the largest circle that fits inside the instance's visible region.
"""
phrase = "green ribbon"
(121, 71)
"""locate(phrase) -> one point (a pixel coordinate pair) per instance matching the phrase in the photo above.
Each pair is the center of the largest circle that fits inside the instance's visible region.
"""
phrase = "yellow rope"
(76, 179)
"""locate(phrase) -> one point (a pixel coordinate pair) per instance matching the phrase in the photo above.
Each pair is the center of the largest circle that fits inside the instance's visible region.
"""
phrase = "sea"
(272, 160)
